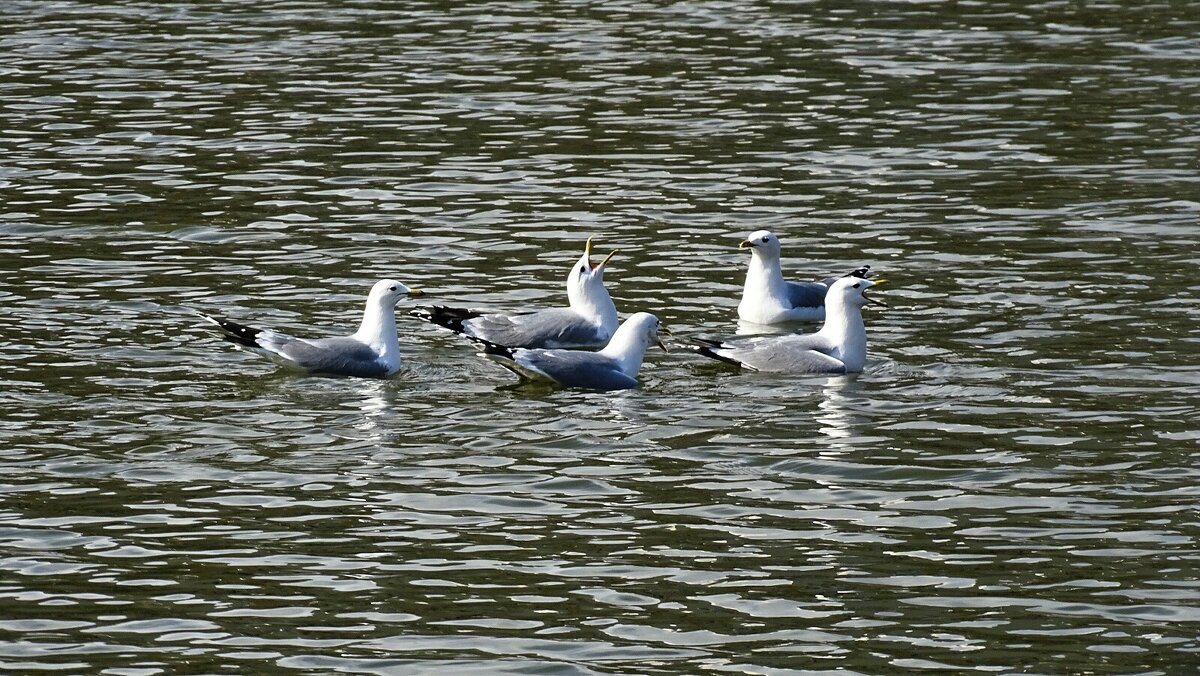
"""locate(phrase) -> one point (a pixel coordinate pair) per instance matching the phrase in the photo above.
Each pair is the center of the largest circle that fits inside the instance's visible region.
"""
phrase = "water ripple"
(1008, 487)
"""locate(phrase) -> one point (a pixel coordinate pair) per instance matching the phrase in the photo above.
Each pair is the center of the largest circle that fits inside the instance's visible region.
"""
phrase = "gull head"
(853, 291)
(761, 242)
(645, 326)
(387, 292)
(587, 280)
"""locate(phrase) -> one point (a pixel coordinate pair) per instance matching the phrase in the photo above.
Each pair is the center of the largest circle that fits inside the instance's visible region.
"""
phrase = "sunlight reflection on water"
(1008, 486)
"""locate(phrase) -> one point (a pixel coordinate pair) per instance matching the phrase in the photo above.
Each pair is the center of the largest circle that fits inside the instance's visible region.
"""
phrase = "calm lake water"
(1011, 486)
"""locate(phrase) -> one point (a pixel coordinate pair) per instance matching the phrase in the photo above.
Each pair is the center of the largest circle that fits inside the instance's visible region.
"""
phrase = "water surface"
(1009, 487)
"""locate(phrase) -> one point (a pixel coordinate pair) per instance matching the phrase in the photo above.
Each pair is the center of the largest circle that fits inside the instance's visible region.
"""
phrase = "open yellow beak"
(587, 252)
(658, 340)
(872, 301)
(745, 244)
(416, 292)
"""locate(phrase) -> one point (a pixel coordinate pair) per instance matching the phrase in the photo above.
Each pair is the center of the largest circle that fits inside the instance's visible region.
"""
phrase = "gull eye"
(766, 239)
(391, 288)
(857, 285)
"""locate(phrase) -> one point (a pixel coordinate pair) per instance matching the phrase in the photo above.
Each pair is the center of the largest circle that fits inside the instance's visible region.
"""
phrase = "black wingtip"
(236, 333)
(708, 347)
(862, 273)
(491, 348)
(446, 317)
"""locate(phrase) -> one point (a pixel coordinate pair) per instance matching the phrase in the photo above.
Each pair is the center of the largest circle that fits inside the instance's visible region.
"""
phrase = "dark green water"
(1010, 487)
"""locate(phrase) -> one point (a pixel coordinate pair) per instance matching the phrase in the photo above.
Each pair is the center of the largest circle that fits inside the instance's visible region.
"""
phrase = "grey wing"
(807, 294)
(589, 370)
(782, 354)
(558, 327)
(338, 356)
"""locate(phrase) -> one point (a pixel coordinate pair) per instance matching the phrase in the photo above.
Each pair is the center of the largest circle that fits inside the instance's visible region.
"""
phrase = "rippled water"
(1010, 487)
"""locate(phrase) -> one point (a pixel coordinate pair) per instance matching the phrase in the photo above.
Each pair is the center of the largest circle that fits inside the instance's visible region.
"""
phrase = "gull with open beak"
(613, 368)
(839, 347)
(590, 321)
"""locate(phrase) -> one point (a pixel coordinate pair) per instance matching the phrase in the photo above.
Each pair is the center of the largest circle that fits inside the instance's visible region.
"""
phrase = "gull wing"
(806, 294)
(570, 368)
(336, 356)
(780, 354)
(551, 328)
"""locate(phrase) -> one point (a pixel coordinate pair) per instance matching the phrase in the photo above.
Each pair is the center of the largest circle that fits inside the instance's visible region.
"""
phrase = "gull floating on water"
(590, 320)
(371, 352)
(839, 347)
(613, 368)
(767, 298)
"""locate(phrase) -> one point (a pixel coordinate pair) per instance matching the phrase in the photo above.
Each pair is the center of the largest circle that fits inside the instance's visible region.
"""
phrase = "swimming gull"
(839, 347)
(371, 352)
(590, 320)
(767, 298)
(615, 367)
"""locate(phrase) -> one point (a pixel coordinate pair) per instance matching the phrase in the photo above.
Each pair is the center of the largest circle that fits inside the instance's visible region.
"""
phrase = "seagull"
(615, 367)
(839, 347)
(372, 352)
(589, 322)
(767, 298)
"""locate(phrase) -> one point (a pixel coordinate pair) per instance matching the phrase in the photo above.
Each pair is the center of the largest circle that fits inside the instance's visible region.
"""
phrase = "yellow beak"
(587, 254)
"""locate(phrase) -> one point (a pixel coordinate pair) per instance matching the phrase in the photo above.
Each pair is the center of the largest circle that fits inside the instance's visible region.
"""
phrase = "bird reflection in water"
(840, 412)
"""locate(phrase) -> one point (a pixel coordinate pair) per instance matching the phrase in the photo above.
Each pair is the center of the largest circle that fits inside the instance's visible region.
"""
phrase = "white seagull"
(613, 368)
(767, 298)
(839, 347)
(371, 352)
(590, 320)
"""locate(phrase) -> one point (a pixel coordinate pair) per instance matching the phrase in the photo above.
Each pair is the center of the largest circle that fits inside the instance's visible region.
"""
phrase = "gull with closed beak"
(769, 299)
(371, 352)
